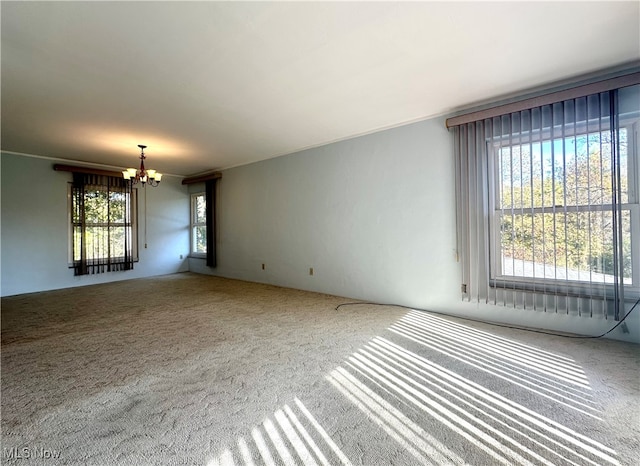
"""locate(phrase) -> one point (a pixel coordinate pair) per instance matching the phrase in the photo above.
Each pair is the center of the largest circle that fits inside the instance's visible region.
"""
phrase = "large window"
(198, 224)
(103, 235)
(548, 208)
(553, 207)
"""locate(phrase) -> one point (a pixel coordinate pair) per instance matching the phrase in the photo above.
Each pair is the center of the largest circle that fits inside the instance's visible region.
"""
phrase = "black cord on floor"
(493, 323)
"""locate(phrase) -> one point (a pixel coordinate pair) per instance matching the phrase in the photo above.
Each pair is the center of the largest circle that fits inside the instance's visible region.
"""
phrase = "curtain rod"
(546, 99)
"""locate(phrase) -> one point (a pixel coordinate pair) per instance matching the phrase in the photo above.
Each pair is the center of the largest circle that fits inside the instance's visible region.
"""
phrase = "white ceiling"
(210, 85)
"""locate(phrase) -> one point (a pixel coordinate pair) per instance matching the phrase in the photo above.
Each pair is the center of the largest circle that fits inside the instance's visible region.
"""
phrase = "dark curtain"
(210, 194)
(102, 224)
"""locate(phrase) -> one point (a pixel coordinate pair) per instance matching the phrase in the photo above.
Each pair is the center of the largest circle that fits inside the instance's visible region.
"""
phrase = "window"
(198, 224)
(548, 209)
(103, 233)
(552, 209)
(203, 221)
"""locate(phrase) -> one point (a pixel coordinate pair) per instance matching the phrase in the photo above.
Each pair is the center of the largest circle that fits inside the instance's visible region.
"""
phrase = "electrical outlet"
(624, 328)
(181, 256)
(263, 266)
(311, 271)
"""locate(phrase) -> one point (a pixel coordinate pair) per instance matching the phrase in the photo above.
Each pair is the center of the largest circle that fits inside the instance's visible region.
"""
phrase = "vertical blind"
(102, 236)
(547, 205)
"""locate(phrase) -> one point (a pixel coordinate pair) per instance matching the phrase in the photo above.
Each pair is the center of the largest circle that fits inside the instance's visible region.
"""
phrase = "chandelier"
(142, 175)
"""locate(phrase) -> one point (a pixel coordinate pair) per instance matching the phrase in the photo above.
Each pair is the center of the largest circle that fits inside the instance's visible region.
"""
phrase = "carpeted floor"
(198, 370)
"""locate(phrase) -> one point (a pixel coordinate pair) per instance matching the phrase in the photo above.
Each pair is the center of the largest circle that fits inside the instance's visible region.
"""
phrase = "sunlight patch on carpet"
(554, 377)
(294, 436)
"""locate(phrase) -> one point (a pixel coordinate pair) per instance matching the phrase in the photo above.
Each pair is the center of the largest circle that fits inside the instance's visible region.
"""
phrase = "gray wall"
(35, 230)
(374, 216)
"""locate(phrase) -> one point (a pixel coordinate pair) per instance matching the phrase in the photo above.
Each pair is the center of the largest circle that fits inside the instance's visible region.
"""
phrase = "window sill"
(90, 263)
(570, 289)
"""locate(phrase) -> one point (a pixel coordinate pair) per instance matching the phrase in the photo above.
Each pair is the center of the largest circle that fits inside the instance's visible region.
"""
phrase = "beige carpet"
(198, 370)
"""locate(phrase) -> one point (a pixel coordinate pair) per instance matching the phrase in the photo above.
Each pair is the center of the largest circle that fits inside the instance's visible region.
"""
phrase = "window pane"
(116, 241)
(572, 246)
(102, 206)
(199, 209)
(101, 242)
(95, 206)
(571, 171)
(96, 242)
(77, 238)
(117, 207)
(200, 239)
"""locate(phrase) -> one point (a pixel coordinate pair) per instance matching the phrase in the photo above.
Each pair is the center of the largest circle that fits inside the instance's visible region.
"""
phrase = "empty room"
(320, 233)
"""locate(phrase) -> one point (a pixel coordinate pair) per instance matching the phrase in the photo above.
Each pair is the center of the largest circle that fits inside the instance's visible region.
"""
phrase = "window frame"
(193, 225)
(134, 228)
(497, 279)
